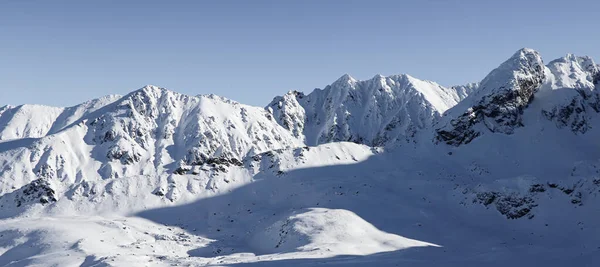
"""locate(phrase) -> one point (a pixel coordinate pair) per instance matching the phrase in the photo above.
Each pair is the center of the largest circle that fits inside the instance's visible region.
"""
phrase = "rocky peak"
(498, 104)
(573, 80)
(288, 112)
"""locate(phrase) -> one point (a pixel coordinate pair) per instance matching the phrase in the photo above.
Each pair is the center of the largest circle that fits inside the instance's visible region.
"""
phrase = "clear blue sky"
(65, 52)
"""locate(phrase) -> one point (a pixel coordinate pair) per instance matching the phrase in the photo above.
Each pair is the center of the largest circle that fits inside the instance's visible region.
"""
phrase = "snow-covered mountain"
(150, 132)
(392, 170)
(378, 112)
(566, 86)
(154, 131)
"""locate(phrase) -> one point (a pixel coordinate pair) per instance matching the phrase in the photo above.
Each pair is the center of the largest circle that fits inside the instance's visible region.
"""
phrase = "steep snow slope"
(377, 112)
(27, 121)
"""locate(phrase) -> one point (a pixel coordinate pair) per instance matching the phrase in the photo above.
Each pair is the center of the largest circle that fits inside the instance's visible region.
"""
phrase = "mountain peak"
(526, 50)
(524, 57)
(583, 60)
(525, 64)
(148, 92)
(153, 89)
(526, 53)
(499, 102)
(345, 79)
(378, 77)
(571, 57)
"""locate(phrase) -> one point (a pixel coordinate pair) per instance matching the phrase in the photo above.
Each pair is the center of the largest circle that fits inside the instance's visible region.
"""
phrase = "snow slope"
(501, 172)
(34, 121)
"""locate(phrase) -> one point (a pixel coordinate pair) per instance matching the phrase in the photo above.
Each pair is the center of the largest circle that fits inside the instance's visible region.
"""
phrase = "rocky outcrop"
(573, 115)
(512, 206)
(38, 191)
(289, 113)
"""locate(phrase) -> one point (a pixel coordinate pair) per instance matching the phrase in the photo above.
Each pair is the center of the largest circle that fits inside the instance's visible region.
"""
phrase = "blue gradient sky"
(65, 52)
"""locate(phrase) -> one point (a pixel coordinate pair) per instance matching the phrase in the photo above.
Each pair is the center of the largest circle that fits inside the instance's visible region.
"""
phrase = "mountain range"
(382, 171)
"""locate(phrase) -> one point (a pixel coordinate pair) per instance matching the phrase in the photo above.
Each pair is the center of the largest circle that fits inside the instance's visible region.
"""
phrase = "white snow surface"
(349, 175)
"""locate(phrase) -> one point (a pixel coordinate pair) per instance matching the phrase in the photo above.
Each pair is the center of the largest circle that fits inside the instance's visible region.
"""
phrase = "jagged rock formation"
(38, 191)
(378, 112)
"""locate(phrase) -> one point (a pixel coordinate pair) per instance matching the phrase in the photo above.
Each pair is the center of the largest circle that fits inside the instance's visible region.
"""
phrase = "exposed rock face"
(581, 186)
(217, 164)
(573, 116)
(512, 206)
(499, 102)
(578, 77)
(38, 191)
(289, 113)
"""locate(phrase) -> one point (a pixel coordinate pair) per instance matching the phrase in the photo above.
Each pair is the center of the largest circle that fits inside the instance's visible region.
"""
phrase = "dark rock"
(38, 191)
(513, 206)
(537, 188)
(486, 198)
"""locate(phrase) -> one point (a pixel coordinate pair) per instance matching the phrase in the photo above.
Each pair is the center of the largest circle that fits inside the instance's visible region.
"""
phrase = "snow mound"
(332, 231)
